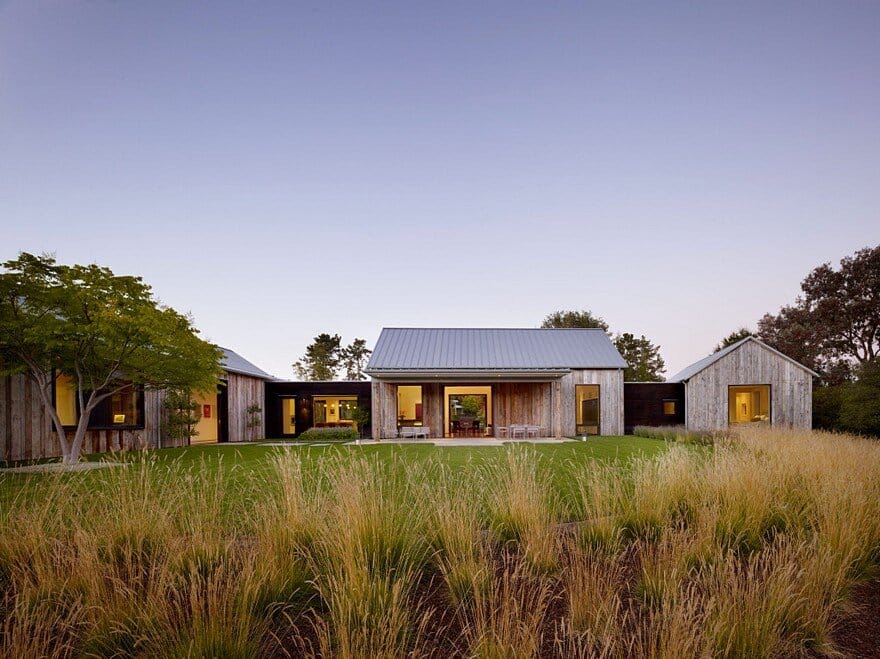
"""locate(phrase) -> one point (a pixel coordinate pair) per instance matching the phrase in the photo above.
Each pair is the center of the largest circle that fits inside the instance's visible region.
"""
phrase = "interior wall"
(206, 428)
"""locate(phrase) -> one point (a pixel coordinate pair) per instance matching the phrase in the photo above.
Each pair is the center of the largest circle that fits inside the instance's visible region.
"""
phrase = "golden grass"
(750, 548)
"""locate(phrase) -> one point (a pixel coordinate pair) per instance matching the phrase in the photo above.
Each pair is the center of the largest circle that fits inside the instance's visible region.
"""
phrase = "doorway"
(468, 411)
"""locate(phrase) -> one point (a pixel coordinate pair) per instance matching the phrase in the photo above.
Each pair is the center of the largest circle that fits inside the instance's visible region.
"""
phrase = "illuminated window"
(346, 408)
(65, 400)
(669, 407)
(409, 405)
(123, 408)
(288, 416)
(749, 404)
(587, 409)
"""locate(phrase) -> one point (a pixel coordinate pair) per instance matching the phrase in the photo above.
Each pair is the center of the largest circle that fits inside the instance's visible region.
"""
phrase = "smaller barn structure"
(746, 382)
(134, 417)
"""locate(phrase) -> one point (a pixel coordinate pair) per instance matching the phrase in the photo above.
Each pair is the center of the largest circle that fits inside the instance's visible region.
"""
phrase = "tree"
(182, 414)
(734, 337)
(564, 319)
(321, 359)
(835, 324)
(354, 358)
(104, 331)
(644, 363)
(860, 401)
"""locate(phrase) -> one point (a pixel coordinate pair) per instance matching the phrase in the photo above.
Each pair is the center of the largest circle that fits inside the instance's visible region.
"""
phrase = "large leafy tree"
(321, 359)
(104, 331)
(644, 363)
(354, 358)
(834, 326)
(565, 319)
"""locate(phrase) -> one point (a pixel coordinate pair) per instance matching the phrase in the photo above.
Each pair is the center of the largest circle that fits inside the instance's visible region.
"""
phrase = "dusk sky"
(284, 169)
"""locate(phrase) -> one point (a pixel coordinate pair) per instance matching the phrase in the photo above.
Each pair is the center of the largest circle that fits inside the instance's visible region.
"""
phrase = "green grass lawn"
(248, 466)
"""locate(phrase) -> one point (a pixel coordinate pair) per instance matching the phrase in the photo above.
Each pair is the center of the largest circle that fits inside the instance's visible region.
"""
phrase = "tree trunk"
(46, 399)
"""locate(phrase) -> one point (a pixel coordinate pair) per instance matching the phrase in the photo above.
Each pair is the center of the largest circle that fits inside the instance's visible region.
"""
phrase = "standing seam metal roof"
(492, 349)
(232, 362)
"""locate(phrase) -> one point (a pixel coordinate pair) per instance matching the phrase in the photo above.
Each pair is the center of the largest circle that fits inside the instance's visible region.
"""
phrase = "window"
(669, 408)
(333, 411)
(288, 416)
(122, 409)
(587, 409)
(748, 404)
(409, 405)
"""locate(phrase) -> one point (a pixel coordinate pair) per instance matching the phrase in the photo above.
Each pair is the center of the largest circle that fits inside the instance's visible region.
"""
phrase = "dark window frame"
(103, 411)
(769, 399)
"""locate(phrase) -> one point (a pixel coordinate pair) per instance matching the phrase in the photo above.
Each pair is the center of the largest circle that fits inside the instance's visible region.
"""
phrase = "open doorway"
(468, 411)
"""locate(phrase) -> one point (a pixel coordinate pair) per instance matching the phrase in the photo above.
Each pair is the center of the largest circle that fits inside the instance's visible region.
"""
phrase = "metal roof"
(690, 371)
(402, 349)
(232, 362)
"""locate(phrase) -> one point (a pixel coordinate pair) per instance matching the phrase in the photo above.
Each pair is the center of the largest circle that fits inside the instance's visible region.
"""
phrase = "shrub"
(329, 435)
(681, 434)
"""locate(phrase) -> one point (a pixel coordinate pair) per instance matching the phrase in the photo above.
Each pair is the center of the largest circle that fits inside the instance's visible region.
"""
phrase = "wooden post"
(557, 409)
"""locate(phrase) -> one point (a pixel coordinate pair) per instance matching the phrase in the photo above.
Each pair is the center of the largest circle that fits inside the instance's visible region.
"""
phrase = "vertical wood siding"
(244, 391)
(547, 404)
(610, 383)
(26, 429)
(791, 388)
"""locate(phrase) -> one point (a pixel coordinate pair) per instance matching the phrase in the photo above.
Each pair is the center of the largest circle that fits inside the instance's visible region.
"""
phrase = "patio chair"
(516, 429)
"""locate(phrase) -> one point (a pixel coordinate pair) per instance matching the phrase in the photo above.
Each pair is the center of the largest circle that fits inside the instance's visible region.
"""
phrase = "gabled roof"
(687, 373)
(232, 362)
(420, 349)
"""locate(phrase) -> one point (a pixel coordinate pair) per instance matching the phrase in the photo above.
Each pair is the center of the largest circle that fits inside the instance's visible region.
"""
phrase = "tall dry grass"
(750, 548)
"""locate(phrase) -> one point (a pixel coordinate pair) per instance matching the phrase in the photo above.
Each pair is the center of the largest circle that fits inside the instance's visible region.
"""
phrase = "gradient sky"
(283, 169)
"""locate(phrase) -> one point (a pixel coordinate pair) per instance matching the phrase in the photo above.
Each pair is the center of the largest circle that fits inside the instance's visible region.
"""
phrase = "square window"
(669, 407)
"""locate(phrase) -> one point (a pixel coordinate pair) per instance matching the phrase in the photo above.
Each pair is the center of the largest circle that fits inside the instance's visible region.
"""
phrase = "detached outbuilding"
(747, 382)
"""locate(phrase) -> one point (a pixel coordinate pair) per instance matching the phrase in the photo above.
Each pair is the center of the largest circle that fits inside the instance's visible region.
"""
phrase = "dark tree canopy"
(104, 331)
(734, 337)
(563, 319)
(835, 324)
(321, 359)
(644, 363)
(354, 359)
(325, 354)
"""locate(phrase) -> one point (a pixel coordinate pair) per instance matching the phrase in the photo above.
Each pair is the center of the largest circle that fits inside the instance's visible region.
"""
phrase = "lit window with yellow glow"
(669, 407)
(749, 404)
(65, 400)
(587, 409)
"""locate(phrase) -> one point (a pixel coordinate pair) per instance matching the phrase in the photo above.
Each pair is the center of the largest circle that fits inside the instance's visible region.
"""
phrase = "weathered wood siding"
(547, 404)
(523, 403)
(26, 429)
(791, 388)
(610, 383)
(384, 409)
(244, 391)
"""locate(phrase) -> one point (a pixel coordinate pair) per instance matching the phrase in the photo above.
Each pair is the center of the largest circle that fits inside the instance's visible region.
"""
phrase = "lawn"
(245, 466)
(614, 547)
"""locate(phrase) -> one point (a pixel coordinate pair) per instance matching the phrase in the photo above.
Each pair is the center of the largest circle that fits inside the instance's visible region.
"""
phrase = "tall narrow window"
(409, 405)
(288, 416)
(65, 400)
(587, 409)
(748, 404)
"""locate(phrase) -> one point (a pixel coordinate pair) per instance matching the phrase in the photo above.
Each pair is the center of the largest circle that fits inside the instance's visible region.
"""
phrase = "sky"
(281, 169)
